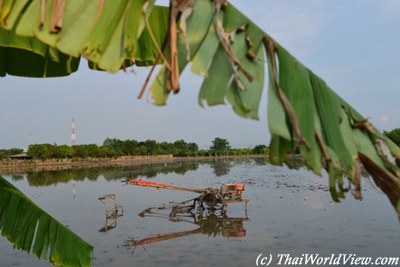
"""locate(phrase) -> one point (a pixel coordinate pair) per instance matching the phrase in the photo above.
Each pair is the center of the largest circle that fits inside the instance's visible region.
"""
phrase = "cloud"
(384, 120)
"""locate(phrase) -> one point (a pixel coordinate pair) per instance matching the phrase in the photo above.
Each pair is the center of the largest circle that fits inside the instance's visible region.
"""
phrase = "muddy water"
(290, 212)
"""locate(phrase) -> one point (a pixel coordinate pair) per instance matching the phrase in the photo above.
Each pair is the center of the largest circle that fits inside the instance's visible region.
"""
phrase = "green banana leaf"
(31, 229)
(305, 115)
(29, 57)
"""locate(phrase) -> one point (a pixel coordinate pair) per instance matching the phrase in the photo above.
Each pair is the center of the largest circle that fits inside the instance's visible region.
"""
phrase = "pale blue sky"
(351, 44)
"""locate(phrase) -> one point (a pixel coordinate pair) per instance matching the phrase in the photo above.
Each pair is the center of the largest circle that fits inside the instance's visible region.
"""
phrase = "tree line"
(393, 135)
(5, 153)
(113, 148)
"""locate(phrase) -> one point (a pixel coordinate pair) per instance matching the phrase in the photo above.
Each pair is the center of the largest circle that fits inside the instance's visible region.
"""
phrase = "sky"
(351, 44)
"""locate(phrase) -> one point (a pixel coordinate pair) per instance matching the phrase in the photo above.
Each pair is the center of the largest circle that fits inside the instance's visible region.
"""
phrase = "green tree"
(107, 152)
(165, 148)
(5, 153)
(193, 148)
(130, 147)
(203, 152)
(42, 151)
(115, 144)
(93, 150)
(80, 151)
(183, 149)
(394, 135)
(220, 146)
(260, 149)
(15, 151)
(64, 151)
(151, 147)
(142, 149)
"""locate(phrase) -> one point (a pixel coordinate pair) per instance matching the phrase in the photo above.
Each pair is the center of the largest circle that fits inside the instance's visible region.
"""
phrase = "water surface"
(290, 211)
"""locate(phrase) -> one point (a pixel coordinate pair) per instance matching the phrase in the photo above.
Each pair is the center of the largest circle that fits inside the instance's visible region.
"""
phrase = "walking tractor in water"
(211, 199)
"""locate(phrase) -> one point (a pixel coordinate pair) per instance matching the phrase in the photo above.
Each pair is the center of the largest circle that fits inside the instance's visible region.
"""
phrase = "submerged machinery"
(211, 199)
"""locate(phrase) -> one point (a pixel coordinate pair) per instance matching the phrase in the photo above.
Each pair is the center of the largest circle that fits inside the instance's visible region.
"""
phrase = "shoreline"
(39, 165)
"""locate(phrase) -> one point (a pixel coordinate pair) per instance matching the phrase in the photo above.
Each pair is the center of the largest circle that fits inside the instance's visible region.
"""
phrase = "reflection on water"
(291, 211)
(211, 226)
(113, 211)
(54, 175)
(221, 167)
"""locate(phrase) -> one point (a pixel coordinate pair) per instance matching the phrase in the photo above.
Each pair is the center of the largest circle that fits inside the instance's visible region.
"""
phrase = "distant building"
(20, 156)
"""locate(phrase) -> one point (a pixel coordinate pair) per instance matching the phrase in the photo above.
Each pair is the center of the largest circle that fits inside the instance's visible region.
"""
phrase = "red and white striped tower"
(73, 136)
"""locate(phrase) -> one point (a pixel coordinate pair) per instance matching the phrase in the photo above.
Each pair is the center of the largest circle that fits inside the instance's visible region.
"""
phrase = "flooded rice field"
(289, 212)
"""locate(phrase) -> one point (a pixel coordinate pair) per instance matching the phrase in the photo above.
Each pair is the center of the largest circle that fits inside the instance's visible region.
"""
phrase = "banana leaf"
(29, 57)
(33, 230)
